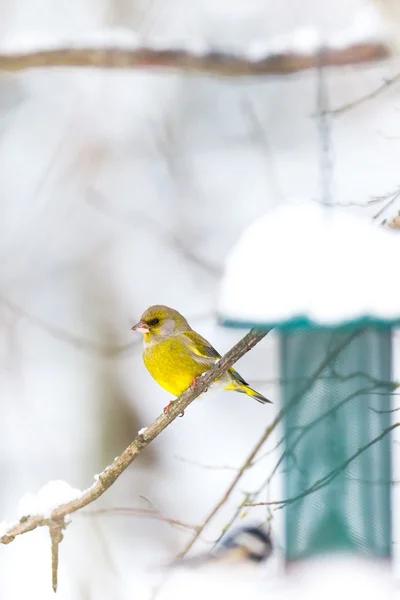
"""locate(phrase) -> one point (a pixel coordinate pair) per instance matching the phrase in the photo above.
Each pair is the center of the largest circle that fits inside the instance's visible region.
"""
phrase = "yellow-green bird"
(176, 356)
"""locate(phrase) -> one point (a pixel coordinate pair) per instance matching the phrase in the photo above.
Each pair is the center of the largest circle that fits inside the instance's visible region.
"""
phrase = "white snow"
(105, 38)
(4, 527)
(327, 577)
(340, 576)
(47, 499)
(142, 431)
(309, 40)
(306, 40)
(307, 260)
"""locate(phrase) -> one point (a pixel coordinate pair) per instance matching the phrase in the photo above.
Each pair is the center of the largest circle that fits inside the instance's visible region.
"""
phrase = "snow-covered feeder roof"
(311, 265)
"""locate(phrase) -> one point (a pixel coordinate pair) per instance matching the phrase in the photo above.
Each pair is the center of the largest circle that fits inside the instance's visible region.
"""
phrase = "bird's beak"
(141, 327)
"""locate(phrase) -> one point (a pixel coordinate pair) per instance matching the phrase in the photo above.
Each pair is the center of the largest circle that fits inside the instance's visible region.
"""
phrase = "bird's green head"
(160, 321)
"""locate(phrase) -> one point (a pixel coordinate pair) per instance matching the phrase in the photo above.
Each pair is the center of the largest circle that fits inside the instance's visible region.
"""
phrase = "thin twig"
(235, 481)
(139, 218)
(209, 62)
(327, 479)
(355, 103)
(303, 429)
(107, 351)
(250, 459)
(391, 198)
(289, 451)
(147, 513)
(195, 463)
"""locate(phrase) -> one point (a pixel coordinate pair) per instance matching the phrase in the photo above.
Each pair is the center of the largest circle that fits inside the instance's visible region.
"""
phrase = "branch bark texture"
(211, 63)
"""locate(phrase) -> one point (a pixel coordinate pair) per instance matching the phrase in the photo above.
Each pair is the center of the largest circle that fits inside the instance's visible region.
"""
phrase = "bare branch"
(139, 218)
(147, 513)
(289, 451)
(201, 465)
(142, 440)
(267, 433)
(391, 197)
(79, 342)
(248, 462)
(212, 62)
(326, 480)
(375, 93)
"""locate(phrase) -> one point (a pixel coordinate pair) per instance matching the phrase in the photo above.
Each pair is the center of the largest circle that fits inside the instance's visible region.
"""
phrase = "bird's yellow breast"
(171, 365)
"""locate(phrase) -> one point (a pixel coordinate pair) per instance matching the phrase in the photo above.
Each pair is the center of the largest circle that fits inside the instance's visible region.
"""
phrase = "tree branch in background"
(391, 197)
(79, 342)
(147, 513)
(108, 477)
(267, 433)
(248, 462)
(387, 83)
(206, 62)
(326, 480)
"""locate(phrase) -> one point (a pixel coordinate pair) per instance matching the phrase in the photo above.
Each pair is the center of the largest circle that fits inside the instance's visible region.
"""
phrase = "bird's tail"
(236, 386)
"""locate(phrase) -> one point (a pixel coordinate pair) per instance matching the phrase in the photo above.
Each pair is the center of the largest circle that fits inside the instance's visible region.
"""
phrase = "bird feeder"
(326, 281)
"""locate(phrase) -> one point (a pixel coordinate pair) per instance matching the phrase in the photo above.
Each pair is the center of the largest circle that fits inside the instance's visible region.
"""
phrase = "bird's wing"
(201, 348)
(207, 354)
(238, 377)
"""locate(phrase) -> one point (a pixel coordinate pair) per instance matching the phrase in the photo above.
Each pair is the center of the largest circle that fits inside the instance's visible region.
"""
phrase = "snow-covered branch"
(44, 510)
(260, 59)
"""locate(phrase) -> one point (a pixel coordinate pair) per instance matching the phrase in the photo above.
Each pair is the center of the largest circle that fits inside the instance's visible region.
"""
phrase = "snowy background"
(124, 189)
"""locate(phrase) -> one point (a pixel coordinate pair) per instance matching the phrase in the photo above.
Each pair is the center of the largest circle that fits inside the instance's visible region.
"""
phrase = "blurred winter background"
(121, 189)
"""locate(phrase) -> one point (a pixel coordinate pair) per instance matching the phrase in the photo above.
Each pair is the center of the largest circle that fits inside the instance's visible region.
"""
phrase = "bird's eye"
(154, 322)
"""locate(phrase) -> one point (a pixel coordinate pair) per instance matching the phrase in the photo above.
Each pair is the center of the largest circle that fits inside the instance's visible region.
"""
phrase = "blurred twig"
(207, 467)
(258, 135)
(149, 513)
(139, 218)
(208, 61)
(355, 103)
(111, 473)
(391, 197)
(326, 480)
(304, 429)
(247, 463)
(267, 433)
(66, 336)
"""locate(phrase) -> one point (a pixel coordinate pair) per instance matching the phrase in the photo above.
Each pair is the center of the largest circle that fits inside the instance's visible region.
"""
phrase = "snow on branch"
(278, 55)
(57, 500)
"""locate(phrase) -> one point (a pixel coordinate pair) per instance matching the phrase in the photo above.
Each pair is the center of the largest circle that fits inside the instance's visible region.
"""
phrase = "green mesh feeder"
(326, 281)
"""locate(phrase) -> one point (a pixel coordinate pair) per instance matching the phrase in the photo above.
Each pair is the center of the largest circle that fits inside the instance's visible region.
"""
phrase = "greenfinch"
(176, 356)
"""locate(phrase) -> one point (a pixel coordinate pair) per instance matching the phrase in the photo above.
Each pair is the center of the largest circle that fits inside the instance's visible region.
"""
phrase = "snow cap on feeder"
(311, 265)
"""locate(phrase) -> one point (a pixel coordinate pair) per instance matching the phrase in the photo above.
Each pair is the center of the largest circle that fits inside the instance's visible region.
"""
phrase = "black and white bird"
(247, 544)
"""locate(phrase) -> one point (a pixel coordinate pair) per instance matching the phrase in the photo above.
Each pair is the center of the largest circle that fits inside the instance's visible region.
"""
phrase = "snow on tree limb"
(53, 516)
(275, 57)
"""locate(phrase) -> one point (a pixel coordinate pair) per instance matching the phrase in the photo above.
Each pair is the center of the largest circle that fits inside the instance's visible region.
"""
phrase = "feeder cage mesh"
(337, 397)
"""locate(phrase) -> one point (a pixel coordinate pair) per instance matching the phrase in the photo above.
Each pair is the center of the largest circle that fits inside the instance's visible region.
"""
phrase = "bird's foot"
(196, 380)
(167, 408)
(194, 383)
